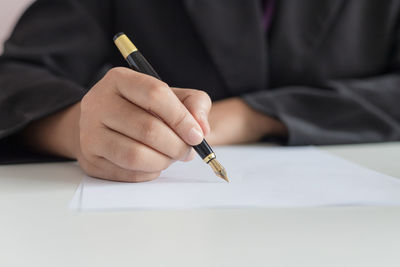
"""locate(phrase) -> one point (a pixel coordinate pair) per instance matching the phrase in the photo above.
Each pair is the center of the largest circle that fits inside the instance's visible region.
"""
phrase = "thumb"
(198, 103)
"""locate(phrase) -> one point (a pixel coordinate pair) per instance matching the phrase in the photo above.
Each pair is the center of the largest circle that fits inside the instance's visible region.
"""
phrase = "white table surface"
(38, 229)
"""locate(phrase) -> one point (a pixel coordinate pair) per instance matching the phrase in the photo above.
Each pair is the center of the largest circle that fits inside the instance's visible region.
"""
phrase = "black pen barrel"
(203, 149)
(139, 63)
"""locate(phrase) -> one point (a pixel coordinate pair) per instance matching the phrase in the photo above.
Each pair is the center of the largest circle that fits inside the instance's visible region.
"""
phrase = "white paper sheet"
(260, 177)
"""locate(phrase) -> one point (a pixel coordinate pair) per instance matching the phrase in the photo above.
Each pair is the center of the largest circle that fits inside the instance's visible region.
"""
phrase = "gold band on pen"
(125, 46)
(209, 157)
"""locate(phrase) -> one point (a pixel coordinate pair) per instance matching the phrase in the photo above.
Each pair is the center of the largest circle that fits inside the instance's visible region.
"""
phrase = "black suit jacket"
(328, 69)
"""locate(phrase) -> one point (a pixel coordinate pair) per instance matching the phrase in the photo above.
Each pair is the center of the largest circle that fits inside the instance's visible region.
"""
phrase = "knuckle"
(116, 72)
(157, 91)
(150, 131)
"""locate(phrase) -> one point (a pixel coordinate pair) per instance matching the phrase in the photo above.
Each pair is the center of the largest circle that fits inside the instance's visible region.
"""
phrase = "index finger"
(157, 98)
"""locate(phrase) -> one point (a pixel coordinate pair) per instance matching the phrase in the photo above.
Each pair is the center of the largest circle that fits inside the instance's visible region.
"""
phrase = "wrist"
(57, 134)
(263, 124)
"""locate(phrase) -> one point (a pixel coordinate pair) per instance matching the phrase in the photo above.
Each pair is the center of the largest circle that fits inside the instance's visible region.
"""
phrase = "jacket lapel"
(232, 34)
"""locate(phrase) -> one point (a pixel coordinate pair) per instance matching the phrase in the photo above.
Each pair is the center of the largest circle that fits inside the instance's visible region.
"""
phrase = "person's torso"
(220, 46)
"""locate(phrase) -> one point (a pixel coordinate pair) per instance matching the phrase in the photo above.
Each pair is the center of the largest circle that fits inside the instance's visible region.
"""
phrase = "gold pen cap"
(125, 46)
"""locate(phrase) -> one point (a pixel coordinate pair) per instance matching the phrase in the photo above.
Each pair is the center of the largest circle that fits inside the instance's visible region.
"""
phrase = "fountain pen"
(138, 63)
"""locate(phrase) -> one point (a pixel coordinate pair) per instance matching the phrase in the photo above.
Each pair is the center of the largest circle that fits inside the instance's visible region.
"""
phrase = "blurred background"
(10, 11)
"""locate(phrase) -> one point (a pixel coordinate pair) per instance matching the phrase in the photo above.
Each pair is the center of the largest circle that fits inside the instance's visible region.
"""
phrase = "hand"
(232, 121)
(128, 127)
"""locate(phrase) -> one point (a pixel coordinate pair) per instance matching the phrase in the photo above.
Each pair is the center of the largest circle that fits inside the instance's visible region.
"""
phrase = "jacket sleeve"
(53, 55)
(351, 110)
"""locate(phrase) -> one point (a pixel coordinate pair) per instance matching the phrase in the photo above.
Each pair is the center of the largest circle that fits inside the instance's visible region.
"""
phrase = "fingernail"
(195, 136)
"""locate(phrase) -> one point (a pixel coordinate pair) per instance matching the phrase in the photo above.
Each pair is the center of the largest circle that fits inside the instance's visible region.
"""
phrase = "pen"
(138, 63)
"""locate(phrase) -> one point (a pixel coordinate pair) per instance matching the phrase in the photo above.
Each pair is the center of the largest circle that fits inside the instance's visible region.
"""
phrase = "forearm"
(233, 122)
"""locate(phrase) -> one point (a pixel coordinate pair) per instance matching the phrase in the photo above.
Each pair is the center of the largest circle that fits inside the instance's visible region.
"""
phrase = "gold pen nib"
(218, 169)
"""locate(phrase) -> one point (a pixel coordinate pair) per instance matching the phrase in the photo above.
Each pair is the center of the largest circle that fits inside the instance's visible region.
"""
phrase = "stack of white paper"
(260, 177)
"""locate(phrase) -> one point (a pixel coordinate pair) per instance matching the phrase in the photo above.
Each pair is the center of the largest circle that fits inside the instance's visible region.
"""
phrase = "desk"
(37, 229)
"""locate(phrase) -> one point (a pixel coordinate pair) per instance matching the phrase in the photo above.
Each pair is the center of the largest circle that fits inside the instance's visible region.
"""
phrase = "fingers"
(198, 103)
(124, 152)
(139, 125)
(190, 156)
(157, 98)
(133, 126)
